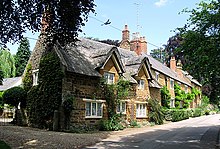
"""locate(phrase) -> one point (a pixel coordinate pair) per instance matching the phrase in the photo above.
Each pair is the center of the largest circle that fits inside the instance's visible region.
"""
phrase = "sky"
(154, 19)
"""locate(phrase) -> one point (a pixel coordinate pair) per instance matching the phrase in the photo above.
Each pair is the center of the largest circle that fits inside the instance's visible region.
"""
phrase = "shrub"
(134, 124)
(197, 112)
(165, 97)
(156, 114)
(111, 124)
(15, 95)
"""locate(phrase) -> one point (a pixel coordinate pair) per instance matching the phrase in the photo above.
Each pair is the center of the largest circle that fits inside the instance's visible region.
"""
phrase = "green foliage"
(1, 76)
(3, 145)
(20, 16)
(15, 95)
(114, 93)
(1, 101)
(197, 112)
(113, 124)
(7, 64)
(22, 56)
(156, 115)
(200, 45)
(165, 97)
(159, 54)
(28, 80)
(45, 98)
(134, 124)
(205, 101)
(68, 104)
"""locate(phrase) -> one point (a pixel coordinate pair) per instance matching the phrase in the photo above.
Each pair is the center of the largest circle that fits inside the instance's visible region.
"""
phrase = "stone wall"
(81, 87)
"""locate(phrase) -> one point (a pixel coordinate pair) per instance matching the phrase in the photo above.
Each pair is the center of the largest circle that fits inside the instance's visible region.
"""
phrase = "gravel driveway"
(26, 138)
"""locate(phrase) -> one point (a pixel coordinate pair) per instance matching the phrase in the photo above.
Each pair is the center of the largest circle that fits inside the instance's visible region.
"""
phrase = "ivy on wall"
(165, 97)
(27, 80)
(46, 97)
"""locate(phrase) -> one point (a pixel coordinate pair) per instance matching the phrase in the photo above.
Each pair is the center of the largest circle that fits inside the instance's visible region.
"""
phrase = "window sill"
(141, 116)
(98, 117)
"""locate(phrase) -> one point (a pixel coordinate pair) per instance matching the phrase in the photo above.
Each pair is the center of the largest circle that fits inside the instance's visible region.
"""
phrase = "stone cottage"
(86, 62)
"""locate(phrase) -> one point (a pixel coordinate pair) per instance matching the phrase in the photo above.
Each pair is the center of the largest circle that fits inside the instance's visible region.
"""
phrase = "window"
(141, 84)
(110, 77)
(171, 84)
(35, 77)
(121, 108)
(186, 88)
(157, 76)
(172, 103)
(141, 110)
(93, 110)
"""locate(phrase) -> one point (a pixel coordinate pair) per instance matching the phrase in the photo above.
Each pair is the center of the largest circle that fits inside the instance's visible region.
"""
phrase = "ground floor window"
(121, 108)
(172, 103)
(141, 110)
(94, 109)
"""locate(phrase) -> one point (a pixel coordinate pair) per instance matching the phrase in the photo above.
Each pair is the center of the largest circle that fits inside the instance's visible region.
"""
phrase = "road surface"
(194, 133)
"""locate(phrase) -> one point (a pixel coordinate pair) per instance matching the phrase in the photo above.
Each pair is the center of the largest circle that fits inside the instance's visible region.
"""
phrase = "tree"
(201, 45)
(1, 76)
(22, 56)
(159, 54)
(15, 95)
(63, 18)
(7, 63)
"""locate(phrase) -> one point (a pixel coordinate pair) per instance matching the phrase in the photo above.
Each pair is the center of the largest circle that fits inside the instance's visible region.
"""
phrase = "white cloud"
(161, 3)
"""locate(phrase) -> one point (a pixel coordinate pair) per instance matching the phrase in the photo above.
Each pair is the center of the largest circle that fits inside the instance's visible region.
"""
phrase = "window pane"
(137, 110)
(144, 110)
(93, 109)
(99, 106)
(123, 107)
(88, 109)
(118, 108)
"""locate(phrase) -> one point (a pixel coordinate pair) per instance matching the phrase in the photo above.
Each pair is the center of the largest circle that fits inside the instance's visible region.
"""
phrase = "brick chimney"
(46, 20)
(143, 44)
(179, 69)
(126, 33)
(173, 63)
(125, 43)
(138, 44)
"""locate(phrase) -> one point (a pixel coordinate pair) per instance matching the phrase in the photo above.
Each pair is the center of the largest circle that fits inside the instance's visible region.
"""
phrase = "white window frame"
(96, 103)
(157, 76)
(172, 103)
(35, 77)
(171, 84)
(108, 76)
(141, 84)
(141, 110)
(119, 108)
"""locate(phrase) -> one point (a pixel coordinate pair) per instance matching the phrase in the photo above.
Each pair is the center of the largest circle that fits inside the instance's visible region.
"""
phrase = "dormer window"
(141, 84)
(171, 84)
(110, 77)
(157, 76)
(35, 77)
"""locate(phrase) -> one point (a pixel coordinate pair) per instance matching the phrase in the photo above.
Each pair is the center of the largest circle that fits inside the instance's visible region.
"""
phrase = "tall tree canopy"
(201, 45)
(160, 54)
(22, 56)
(7, 63)
(64, 18)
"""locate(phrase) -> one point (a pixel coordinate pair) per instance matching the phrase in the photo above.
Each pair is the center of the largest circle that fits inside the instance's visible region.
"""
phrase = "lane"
(198, 133)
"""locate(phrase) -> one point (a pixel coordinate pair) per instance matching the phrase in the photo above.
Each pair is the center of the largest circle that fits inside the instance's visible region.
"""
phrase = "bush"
(197, 112)
(156, 114)
(15, 95)
(112, 124)
(175, 115)
(135, 124)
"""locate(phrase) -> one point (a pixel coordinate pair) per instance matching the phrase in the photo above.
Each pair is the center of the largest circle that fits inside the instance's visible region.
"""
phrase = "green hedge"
(175, 115)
